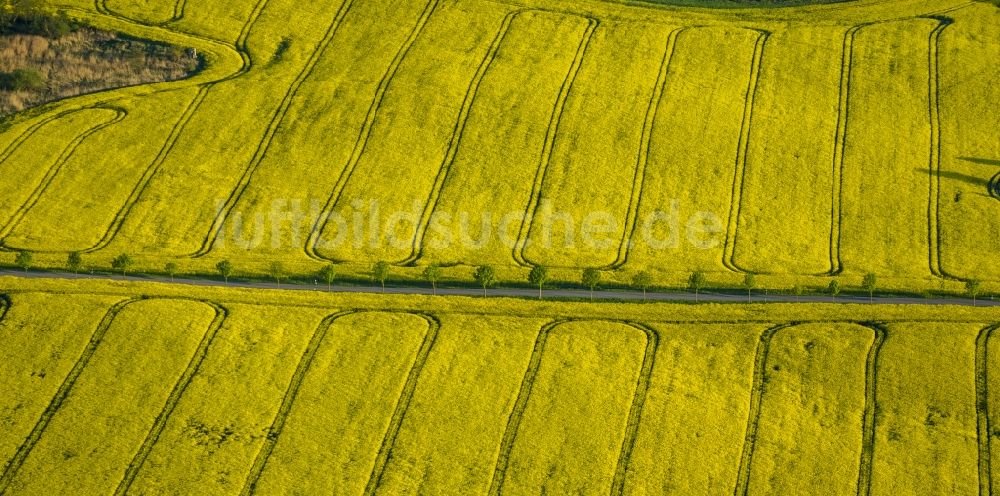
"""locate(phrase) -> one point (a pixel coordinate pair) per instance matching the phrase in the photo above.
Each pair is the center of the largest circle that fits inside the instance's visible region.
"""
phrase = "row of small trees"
(484, 275)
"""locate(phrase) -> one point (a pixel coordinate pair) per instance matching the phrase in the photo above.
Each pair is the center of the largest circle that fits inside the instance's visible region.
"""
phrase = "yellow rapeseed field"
(799, 143)
(145, 388)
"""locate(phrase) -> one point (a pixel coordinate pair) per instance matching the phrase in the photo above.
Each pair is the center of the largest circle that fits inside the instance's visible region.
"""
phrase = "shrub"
(22, 80)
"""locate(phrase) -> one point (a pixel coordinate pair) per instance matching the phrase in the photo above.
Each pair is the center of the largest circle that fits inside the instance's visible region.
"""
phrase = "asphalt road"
(606, 295)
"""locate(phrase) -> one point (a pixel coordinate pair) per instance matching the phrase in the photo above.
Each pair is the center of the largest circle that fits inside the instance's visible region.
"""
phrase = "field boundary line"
(742, 150)
(291, 392)
(151, 170)
(53, 171)
(264, 145)
(13, 466)
(984, 431)
(756, 397)
(403, 403)
(638, 402)
(457, 135)
(871, 407)
(361, 142)
(934, 166)
(550, 137)
(221, 313)
(645, 142)
(514, 420)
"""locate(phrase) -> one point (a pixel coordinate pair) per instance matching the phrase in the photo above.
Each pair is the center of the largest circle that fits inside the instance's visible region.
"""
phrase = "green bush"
(22, 80)
(29, 17)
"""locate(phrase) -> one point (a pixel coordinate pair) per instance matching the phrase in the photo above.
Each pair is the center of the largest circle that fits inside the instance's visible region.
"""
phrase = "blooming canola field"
(156, 389)
(795, 143)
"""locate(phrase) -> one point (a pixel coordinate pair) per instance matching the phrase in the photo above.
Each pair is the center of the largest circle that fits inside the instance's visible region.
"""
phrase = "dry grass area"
(86, 61)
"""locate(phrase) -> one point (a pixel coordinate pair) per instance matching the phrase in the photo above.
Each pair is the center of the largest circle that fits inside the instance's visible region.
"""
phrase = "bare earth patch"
(86, 61)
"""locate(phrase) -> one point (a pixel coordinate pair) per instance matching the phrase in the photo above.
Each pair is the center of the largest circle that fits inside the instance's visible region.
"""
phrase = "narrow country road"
(607, 295)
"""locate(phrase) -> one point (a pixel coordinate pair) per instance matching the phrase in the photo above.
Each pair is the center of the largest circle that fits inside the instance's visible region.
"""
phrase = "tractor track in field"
(179, 7)
(14, 464)
(361, 142)
(642, 158)
(984, 428)
(756, 397)
(5, 304)
(221, 313)
(298, 378)
(638, 402)
(403, 404)
(534, 200)
(274, 431)
(514, 420)
(934, 164)
(176, 15)
(277, 120)
(839, 147)
(456, 137)
(240, 46)
(53, 171)
(871, 407)
(31, 130)
(179, 127)
(739, 174)
(151, 170)
(528, 382)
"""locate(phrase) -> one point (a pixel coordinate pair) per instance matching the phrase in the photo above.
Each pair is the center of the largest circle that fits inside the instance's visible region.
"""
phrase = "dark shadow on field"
(981, 161)
(992, 184)
(958, 176)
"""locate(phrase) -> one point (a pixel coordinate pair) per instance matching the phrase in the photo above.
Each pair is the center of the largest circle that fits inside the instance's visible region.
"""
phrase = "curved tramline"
(840, 140)
(984, 429)
(514, 421)
(871, 407)
(515, 427)
(456, 138)
(550, 136)
(934, 165)
(393, 395)
(732, 228)
(385, 449)
(600, 117)
(14, 464)
(702, 142)
(276, 121)
(753, 419)
(119, 115)
(362, 139)
(175, 11)
(274, 431)
(635, 411)
(152, 170)
(54, 436)
(266, 453)
(153, 436)
(642, 157)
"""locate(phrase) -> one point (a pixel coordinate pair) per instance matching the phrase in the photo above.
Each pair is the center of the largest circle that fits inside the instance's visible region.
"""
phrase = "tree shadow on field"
(981, 161)
(992, 185)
